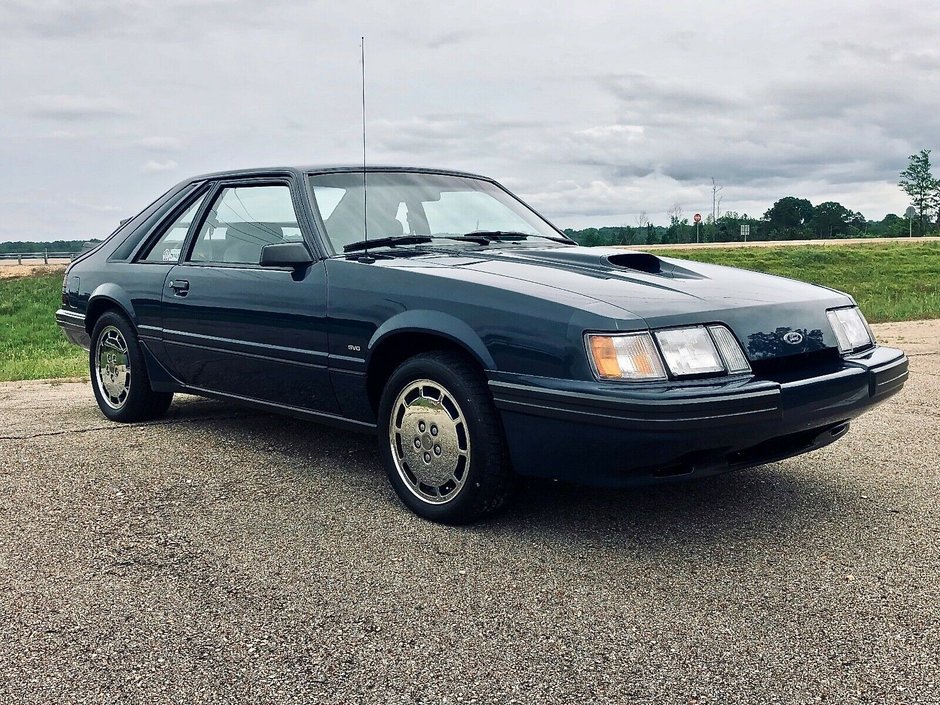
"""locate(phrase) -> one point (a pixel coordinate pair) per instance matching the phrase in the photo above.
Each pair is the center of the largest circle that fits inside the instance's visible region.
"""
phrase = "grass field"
(891, 283)
(31, 344)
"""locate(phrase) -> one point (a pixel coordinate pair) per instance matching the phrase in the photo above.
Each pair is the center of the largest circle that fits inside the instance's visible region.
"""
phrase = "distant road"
(33, 261)
(785, 243)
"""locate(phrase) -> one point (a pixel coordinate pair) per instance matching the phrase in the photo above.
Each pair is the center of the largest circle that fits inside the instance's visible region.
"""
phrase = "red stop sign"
(697, 217)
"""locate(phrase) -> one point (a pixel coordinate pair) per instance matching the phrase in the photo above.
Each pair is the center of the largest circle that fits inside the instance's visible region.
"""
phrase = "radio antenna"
(365, 198)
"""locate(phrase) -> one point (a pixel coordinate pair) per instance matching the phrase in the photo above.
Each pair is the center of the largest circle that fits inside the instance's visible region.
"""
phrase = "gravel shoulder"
(10, 269)
(222, 555)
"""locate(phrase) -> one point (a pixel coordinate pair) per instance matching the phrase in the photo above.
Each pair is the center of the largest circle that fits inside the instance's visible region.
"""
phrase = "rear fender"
(108, 296)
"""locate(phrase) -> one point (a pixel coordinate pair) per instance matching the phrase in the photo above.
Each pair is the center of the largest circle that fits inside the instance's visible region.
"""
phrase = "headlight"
(689, 351)
(629, 356)
(850, 328)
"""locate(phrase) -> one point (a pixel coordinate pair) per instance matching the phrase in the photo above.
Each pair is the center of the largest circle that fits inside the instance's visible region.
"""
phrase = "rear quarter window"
(142, 224)
(168, 246)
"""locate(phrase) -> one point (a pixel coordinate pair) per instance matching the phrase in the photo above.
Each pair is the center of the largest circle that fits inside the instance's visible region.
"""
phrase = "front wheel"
(441, 439)
(118, 375)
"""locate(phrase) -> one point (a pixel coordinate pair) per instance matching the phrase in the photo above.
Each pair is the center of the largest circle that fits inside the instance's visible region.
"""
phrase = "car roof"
(322, 168)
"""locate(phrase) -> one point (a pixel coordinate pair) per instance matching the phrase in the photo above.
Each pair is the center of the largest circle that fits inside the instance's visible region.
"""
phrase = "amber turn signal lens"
(631, 356)
(605, 357)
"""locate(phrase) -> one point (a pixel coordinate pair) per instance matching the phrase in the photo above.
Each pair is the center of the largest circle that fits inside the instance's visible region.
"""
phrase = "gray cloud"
(591, 113)
(71, 107)
(159, 143)
(62, 18)
(447, 39)
(155, 21)
(155, 166)
(641, 94)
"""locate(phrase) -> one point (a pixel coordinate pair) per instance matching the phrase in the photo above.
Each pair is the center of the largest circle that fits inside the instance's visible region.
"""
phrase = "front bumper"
(607, 434)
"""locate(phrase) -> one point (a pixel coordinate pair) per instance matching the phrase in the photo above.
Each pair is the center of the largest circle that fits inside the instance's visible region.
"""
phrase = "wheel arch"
(413, 332)
(107, 297)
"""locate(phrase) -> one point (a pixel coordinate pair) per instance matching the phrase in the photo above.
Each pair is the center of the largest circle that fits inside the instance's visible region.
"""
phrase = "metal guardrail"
(45, 256)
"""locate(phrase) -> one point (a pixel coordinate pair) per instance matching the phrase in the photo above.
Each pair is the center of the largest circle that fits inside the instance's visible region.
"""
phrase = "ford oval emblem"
(793, 337)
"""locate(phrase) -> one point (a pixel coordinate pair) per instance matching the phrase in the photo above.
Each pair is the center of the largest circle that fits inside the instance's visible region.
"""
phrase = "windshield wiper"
(481, 237)
(394, 240)
(507, 235)
(390, 241)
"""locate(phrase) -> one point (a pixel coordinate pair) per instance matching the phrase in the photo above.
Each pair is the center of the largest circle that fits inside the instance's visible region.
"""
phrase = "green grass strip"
(890, 282)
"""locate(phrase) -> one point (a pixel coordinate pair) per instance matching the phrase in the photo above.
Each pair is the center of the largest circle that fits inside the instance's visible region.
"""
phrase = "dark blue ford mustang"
(470, 334)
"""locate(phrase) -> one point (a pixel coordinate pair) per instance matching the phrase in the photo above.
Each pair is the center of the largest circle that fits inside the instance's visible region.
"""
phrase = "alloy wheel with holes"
(118, 373)
(113, 369)
(441, 439)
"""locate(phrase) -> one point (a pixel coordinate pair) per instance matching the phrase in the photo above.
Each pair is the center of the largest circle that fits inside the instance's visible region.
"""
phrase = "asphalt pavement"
(222, 555)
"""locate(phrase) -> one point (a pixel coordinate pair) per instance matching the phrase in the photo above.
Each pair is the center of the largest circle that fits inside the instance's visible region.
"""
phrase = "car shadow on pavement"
(772, 500)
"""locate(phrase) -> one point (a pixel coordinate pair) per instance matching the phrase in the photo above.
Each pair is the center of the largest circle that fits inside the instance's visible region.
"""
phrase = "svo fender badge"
(357, 348)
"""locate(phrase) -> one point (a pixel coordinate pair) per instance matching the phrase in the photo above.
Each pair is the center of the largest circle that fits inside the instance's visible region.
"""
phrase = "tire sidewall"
(464, 506)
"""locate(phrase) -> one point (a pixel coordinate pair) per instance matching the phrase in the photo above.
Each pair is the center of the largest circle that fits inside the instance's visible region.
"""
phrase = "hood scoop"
(637, 261)
(651, 264)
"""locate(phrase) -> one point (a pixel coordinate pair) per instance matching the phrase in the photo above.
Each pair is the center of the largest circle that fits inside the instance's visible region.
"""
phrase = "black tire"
(486, 479)
(138, 402)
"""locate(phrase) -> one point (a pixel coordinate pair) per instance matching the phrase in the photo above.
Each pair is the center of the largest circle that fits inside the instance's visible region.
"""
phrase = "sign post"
(698, 219)
(910, 213)
(745, 231)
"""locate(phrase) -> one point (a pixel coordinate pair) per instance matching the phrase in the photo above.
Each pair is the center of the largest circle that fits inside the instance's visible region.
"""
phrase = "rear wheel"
(118, 375)
(441, 439)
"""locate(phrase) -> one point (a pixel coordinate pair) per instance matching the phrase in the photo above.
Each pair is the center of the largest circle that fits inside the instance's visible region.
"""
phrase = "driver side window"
(242, 220)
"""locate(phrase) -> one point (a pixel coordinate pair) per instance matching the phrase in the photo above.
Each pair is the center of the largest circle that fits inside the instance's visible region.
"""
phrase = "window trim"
(245, 182)
(168, 221)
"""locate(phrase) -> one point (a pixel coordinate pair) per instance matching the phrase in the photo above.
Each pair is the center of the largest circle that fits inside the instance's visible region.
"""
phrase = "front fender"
(435, 323)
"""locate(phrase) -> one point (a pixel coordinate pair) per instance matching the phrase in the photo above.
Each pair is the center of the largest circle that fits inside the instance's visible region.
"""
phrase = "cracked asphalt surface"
(222, 555)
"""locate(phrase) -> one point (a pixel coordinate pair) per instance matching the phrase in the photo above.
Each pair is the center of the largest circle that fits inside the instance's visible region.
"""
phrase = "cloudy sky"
(594, 112)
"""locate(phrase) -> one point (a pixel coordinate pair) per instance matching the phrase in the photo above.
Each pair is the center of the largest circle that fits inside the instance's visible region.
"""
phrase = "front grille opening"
(718, 460)
(786, 446)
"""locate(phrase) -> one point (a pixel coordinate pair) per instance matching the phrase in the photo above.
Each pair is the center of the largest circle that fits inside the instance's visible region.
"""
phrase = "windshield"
(418, 204)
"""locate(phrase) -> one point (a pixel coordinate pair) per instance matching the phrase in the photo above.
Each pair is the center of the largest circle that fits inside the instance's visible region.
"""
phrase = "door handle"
(180, 287)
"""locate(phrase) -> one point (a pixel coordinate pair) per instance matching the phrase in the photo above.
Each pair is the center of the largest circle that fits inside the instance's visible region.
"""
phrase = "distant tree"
(919, 184)
(892, 225)
(789, 215)
(716, 200)
(589, 237)
(676, 222)
(859, 222)
(675, 213)
(831, 218)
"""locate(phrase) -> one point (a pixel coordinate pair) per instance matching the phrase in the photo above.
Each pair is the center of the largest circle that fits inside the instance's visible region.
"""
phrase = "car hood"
(760, 308)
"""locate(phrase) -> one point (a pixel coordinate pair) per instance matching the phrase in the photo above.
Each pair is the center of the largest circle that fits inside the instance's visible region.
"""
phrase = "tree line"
(23, 246)
(789, 218)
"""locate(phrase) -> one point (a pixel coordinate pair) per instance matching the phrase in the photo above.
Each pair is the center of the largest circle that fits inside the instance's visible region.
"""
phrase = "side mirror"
(285, 254)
